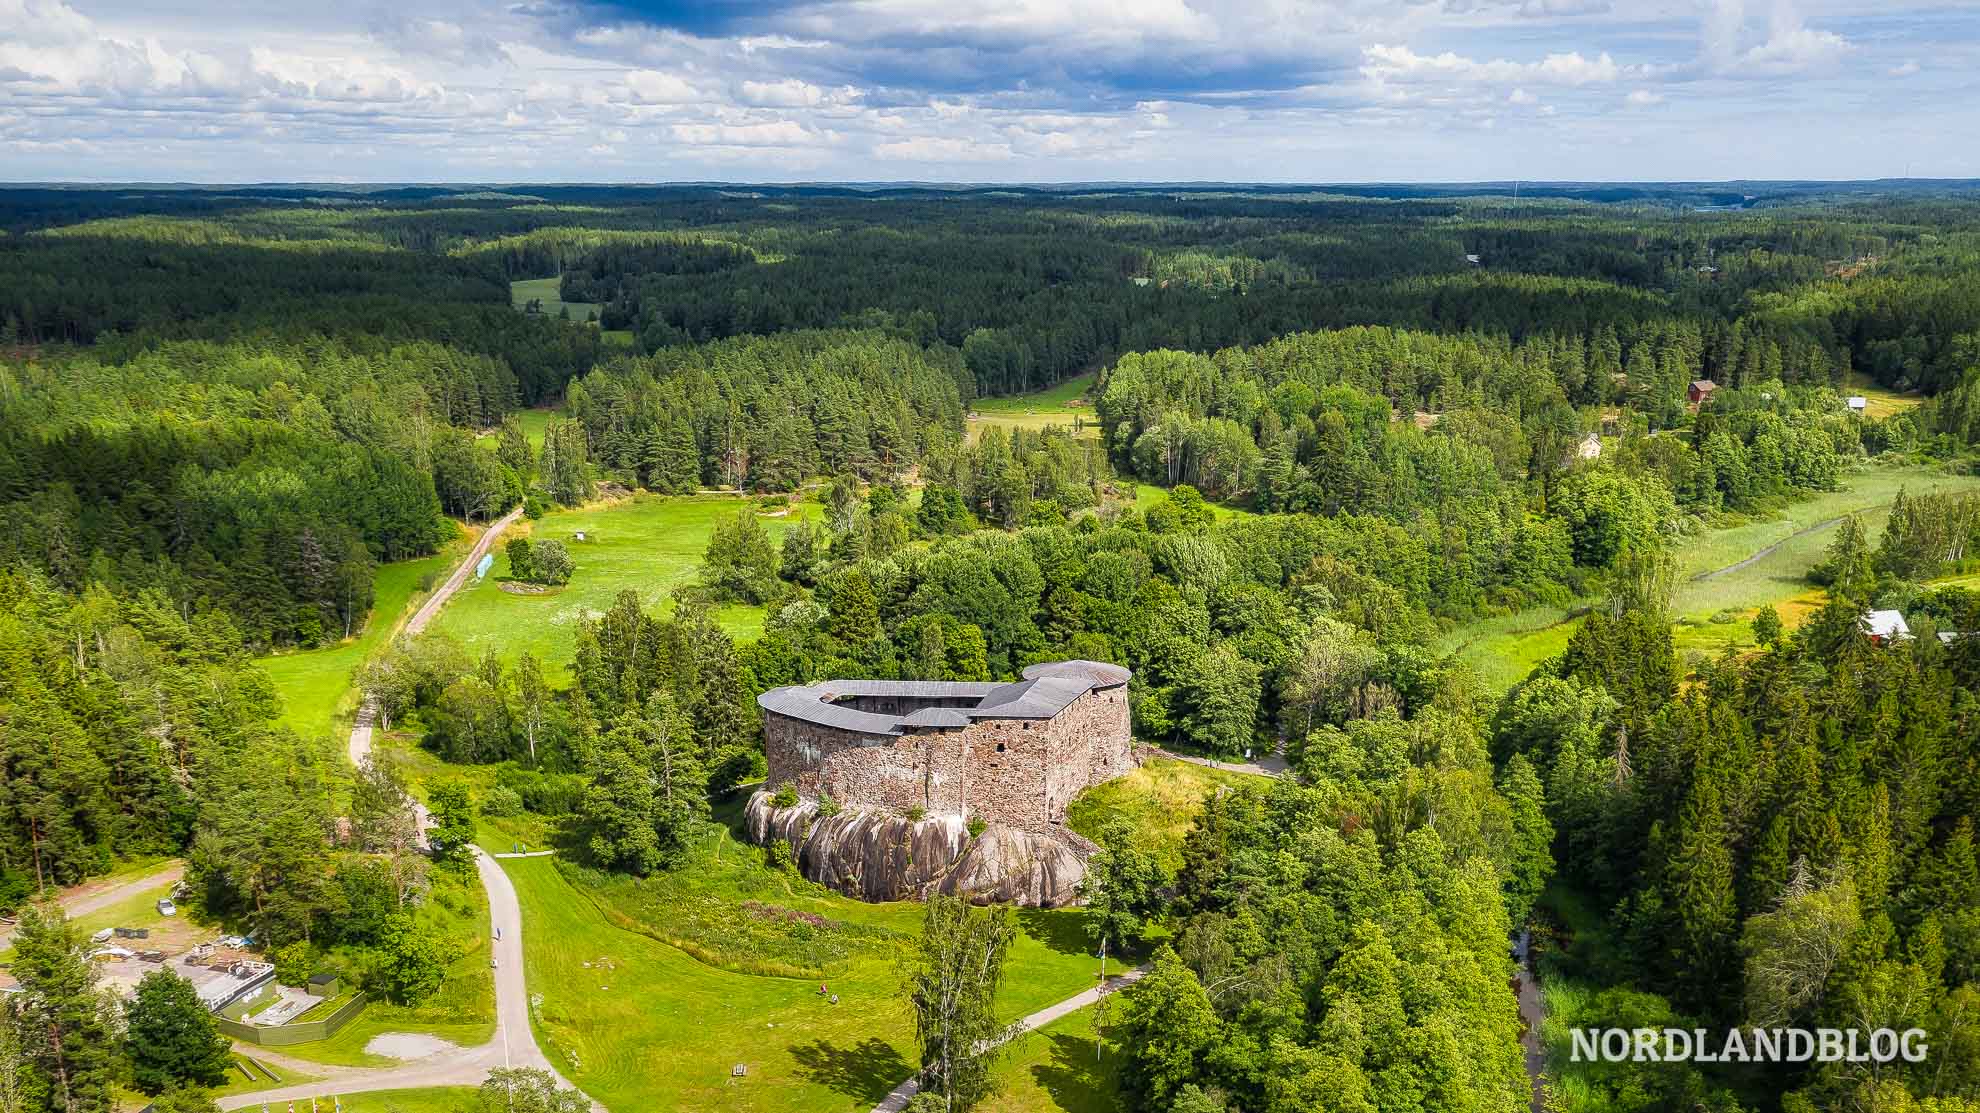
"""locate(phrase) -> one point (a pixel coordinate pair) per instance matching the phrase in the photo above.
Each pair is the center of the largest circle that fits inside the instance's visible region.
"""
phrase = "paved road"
(94, 896)
(897, 1100)
(514, 1044)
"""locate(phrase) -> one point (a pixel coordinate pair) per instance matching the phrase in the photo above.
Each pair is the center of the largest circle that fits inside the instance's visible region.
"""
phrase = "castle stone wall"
(1020, 773)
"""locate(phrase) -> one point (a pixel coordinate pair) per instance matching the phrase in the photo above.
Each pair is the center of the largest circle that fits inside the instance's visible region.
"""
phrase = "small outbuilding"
(1857, 403)
(1885, 627)
(1701, 389)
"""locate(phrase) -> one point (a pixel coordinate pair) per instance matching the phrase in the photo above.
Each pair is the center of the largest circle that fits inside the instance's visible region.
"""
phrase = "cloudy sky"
(972, 90)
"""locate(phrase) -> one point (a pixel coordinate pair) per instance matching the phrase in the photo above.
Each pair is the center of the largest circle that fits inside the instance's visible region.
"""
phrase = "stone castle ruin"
(911, 767)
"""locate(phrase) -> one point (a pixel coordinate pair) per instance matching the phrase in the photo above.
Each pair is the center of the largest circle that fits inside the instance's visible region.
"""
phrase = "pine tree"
(171, 1038)
(59, 1004)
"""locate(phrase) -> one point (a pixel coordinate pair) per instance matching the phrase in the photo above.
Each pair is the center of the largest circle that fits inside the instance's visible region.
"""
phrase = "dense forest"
(1372, 417)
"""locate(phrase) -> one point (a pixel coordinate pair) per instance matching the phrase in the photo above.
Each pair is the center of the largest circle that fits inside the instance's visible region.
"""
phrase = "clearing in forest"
(1064, 405)
(1726, 573)
(649, 544)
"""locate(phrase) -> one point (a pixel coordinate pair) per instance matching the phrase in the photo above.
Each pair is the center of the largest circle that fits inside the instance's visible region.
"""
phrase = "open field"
(534, 422)
(523, 290)
(616, 1000)
(647, 543)
(1881, 402)
(1064, 404)
(315, 684)
(1160, 800)
(1735, 570)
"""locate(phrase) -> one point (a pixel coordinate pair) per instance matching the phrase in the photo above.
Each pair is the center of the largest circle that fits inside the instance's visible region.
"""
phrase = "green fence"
(301, 1031)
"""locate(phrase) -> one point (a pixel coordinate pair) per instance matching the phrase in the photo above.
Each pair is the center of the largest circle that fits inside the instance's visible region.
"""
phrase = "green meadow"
(525, 290)
(1064, 404)
(616, 992)
(1160, 800)
(1724, 577)
(648, 544)
(315, 684)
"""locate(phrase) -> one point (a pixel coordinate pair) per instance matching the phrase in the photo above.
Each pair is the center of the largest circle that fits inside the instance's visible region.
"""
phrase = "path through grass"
(315, 684)
(616, 1003)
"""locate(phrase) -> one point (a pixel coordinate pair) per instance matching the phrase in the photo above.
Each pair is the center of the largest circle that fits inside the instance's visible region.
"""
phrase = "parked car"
(167, 908)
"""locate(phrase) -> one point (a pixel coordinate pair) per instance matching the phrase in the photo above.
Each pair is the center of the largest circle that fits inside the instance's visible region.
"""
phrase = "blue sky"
(970, 90)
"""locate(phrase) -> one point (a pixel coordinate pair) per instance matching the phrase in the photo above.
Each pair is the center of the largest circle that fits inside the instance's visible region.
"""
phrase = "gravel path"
(94, 896)
(514, 1044)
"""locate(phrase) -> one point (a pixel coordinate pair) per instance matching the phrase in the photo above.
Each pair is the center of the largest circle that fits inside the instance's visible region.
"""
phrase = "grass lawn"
(649, 544)
(615, 997)
(1160, 800)
(315, 684)
(523, 290)
(496, 835)
(1056, 1069)
(1147, 495)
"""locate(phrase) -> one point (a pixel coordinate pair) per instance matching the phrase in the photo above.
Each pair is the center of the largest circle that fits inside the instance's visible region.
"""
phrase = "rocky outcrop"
(876, 856)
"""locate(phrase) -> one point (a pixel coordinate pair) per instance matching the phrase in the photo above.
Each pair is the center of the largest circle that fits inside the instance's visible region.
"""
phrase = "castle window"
(1000, 747)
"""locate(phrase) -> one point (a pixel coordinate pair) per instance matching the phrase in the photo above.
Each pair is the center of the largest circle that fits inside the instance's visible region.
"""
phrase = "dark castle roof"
(1046, 690)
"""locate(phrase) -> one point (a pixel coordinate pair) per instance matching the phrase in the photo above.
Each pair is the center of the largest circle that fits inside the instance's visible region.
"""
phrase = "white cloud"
(1643, 98)
(1401, 65)
(942, 149)
(1908, 68)
(1521, 96)
(774, 133)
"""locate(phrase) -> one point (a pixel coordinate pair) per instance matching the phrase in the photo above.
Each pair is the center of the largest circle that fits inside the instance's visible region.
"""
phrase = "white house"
(1886, 626)
(1590, 447)
(1856, 403)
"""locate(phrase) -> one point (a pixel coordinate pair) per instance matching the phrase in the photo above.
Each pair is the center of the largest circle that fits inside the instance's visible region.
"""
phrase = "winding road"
(514, 1043)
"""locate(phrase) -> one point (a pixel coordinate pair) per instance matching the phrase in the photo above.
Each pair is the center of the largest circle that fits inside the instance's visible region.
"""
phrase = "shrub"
(916, 814)
(786, 796)
(827, 807)
(779, 858)
(499, 801)
(975, 828)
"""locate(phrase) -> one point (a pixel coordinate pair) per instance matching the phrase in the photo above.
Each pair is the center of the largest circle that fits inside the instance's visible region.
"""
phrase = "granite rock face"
(877, 856)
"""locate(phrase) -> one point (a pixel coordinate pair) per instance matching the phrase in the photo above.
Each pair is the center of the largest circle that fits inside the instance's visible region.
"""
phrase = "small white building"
(1857, 403)
(1590, 447)
(1886, 626)
(1473, 260)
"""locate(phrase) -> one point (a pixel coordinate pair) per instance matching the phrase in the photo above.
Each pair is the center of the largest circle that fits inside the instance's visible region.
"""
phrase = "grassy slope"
(1160, 800)
(315, 685)
(800, 1051)
(1504, 649)
(645, 543)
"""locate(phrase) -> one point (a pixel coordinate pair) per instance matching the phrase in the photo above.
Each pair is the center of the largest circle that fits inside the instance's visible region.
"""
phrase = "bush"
(294, 962)
(499, 801)
(975, 828)
(827, 807)
(544, 793)
(779, 858)
(916, 814)
(786, 796)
